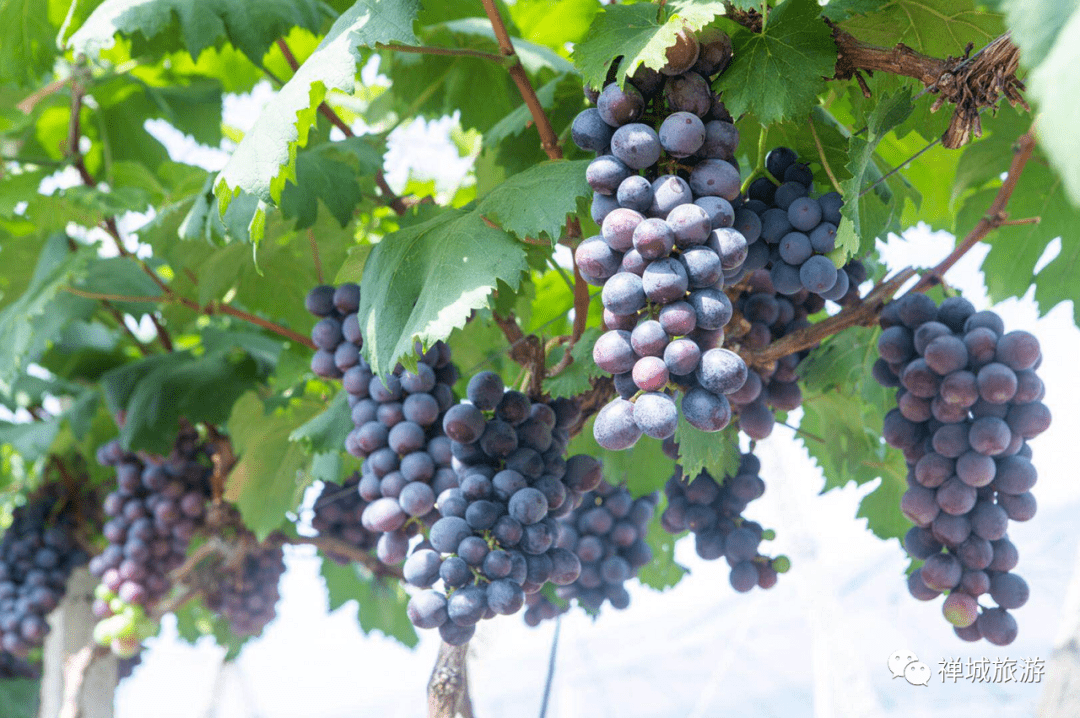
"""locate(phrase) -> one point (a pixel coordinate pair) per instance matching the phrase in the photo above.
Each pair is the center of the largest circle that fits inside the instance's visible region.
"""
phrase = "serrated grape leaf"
(29, 323)
(1015, 250)
(536, 202)
(714, 452)
(777, 74)
(266, 481)
(662, 572)
(354, 263)
(158, 26)
(29, 44)
(321, 177)
(940, 28)
(1059, 108)
(633, 32)
(266, 158)
(327, 431)
(840, 10)
(851, 236)
(423, 281)
(155, 392)
(380, 603)
(575, 379)
(841, 426)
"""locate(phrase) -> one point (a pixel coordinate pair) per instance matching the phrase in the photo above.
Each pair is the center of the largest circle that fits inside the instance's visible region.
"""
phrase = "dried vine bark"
(448, 687)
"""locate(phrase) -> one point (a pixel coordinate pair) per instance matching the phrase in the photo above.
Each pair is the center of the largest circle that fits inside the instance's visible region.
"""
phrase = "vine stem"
(995, 216)
(209, 310)
(548, 139)
(821, 154)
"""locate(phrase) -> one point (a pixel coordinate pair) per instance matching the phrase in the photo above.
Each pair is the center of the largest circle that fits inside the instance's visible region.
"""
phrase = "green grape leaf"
(29, 41)
(327, 431)
(778, 73)
(553, 23)
(940, 28)
(423, 281)
(662, 572)
(1058, 108)
(852, 236)
(159, 26)
(321, 177)
(155, 392)
(575, 379)
(380, 603)
(633, 32)
(536, 202)
(534, 58)
(643, 468)
(267, 481)
(32, 439)
(266, 158)
(714, 452)
(33, 320)
(840, 10)
(841, 426)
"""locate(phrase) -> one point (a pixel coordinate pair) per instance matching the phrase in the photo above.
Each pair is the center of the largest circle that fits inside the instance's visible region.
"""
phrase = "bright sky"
(815, 645)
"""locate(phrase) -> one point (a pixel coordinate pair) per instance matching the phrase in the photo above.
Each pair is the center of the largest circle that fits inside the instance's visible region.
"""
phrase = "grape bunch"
(968, 400)
(797, 230)
(669, 240)
(337, 333)
(37, 554)
(713, 512)
(766, 317)
(338, 514)
(157, 508)
(494, 540)
(607, 533)
(246, 591)
(397, 422)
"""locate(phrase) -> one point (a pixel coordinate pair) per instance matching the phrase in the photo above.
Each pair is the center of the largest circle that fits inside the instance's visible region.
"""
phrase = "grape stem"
(995, 216)
(821, 154)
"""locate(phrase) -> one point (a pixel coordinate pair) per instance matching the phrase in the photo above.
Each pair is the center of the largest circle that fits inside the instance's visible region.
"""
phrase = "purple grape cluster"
(338, 514)
(37, 554)
(607, 534)
(158, 506)
(337, 333)
(397, 422)
(798, 230)
(670, 238)
(968, 401)
(769, 317)
(494, 540)
(247, 594)
(713, 512)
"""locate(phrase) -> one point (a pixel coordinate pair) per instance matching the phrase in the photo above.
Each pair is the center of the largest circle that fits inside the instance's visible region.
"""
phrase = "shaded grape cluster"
(713, 510)
(246, 593)
(38, 552)
(768, 316)
(338, 514)
(968, 401)
(494, 540)
(156, 509)
(664, 181)
(397, 422)
(798, 230)
(607, 534)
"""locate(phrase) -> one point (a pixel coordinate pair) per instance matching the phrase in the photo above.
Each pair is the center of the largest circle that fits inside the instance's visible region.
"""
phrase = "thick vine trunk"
(77, 681)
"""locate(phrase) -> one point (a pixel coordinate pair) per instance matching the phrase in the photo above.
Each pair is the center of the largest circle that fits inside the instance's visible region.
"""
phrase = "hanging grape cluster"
(37, 555)
(494, 540)
(712, 510)
(670, 239)
(245, 591)
(968, 401)
(397, 423)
